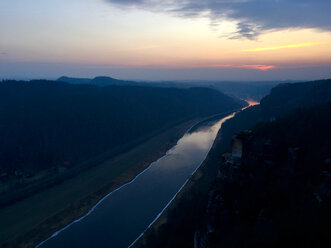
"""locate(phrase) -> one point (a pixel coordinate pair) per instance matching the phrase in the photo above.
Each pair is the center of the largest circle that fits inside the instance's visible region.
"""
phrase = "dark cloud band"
(253, 17)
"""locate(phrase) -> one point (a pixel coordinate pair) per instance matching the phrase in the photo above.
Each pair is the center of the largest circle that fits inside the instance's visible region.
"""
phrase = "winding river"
(122, 216)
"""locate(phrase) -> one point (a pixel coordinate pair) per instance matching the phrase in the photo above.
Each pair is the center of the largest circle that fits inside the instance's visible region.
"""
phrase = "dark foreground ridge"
(271, 190)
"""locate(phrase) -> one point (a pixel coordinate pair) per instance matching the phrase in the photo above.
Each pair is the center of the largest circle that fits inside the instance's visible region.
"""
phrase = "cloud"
(261, 49)
(251, 67)
(252, 17)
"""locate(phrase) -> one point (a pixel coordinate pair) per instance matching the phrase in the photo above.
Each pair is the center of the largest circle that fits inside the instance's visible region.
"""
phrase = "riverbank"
(179, 220)
(184, 202)
(32, 220)
(195, 188)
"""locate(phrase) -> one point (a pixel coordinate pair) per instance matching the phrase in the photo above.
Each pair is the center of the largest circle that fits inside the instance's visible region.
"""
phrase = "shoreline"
(202, 177)
(163, 215)
(100, 201)
(78, 210)
(171, 144)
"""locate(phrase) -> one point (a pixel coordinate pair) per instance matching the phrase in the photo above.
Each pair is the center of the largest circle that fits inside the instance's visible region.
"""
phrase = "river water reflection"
(122, 216)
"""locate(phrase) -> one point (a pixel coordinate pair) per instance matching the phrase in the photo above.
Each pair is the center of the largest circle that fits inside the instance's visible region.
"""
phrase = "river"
(122, 216)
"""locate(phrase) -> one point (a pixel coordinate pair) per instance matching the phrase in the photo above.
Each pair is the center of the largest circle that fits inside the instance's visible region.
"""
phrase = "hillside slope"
(282, 99)
(277, 193)
(52, 125)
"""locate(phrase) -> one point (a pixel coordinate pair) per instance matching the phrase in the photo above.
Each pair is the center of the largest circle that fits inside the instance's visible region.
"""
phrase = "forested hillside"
(45, 124)
(277, 194)
(282, 99)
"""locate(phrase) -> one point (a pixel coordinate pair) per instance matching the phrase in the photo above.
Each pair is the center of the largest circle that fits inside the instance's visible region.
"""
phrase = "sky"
(222, 40)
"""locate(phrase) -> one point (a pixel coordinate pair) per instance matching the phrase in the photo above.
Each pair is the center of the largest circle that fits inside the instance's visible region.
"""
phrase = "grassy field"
(27, 222)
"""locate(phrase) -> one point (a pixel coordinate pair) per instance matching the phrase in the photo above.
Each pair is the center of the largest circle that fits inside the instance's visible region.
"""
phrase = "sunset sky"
(166, 40)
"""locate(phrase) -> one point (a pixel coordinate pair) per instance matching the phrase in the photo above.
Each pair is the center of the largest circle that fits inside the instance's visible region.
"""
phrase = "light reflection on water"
(126, 213)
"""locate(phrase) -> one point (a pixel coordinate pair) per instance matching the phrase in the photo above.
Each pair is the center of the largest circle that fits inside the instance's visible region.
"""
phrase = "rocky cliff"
(276, 192)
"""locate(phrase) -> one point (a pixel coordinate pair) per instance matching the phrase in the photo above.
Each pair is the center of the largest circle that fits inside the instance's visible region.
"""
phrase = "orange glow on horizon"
(252, 102)
(259, 67)
(252, 67)
(261, 49)
(183, 65)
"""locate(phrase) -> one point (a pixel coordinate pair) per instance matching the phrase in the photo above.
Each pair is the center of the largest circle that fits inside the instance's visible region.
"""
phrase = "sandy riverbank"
(34, 219)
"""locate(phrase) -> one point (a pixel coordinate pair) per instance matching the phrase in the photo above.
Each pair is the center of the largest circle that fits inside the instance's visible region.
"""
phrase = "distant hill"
(243, 90)
(71, 80)
(45, 123)
(104, 81)
(99, 81)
